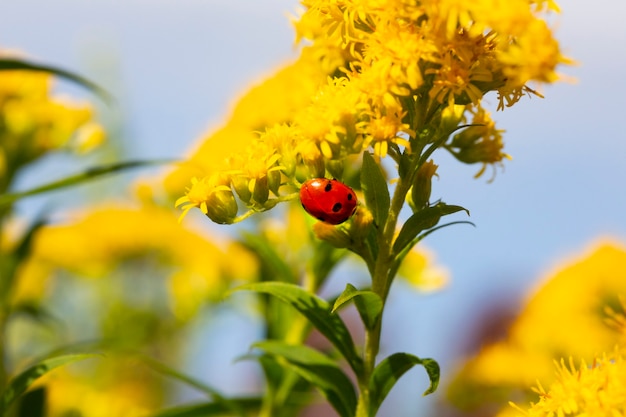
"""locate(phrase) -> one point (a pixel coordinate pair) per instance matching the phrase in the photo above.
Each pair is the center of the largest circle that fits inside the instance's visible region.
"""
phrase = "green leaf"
(11, 64)
(33, 403)
(186, 379)
(389, 371)
(375, 189)
(88, 175)
(19, 384)
(11, 261)
(319, 370)
(368, 304)
(317, 311)
(422, 220)
(272, 261)
(249, 405)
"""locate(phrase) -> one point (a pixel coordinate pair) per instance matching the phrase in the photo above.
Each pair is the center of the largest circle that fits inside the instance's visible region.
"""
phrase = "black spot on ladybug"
(349, 197)
(337, 207)
(329, 186)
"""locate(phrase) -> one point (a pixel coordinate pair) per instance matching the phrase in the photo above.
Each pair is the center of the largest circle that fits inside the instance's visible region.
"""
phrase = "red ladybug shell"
(328, 200)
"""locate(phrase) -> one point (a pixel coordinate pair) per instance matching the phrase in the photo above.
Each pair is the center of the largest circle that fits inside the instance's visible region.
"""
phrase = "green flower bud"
(221, 206)
(422, 186)
(261, 191)
(273, 181)
(335, 168)
(240, 185)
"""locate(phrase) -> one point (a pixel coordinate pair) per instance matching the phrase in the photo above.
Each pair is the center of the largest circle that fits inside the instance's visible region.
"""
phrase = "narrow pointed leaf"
(422, 220)
(10, 64)
(210, 409)
(317, 311)
(88, 175)
(319, 370)
(368, 304)
(375, 189)
(389, 371)
(19, 384)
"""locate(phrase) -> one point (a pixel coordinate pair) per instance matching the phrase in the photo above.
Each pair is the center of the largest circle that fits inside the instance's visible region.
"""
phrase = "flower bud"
(273, 180)
(260, 189)
(240, 185)
(362, 220)
(422, 186)
(336, 236)
(222, 206)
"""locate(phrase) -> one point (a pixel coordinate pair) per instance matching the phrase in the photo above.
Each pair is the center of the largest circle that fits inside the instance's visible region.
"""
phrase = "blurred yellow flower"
(114, 387)
(565, 317)
(421, 272)
(592, 390)
(101, 240)
(35, 122)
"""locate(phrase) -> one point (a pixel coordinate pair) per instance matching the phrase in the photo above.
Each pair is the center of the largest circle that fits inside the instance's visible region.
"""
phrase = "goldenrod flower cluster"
(575, 313)
(34, 122)
(400, 76)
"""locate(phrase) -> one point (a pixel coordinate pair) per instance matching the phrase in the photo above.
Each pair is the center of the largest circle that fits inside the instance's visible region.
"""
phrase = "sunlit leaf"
(11, 64)
(389, 371)
(375, 189)
(19, 384)
(88, 175)
(422, 220)
(317, 311)
(368, 304)
(319, 370)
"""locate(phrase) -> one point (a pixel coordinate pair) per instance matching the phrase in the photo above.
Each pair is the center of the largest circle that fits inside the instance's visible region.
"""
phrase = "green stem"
(381, 284)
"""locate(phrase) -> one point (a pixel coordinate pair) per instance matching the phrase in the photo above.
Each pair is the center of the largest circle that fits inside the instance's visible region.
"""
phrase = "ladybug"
(330, 201)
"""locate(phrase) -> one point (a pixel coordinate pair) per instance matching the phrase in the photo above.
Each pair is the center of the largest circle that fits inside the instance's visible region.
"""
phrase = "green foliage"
(420, 221)
(21, 382)
(318, 369)
(389, 371)
(246, 407)
(368, 304)
(317, 311)
(73, 180)
(375, 189)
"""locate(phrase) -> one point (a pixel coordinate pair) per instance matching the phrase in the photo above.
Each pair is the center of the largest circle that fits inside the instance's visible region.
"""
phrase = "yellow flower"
(213, 196)
(594, 390)
(394, 67)
(480, 143)
(566, 316)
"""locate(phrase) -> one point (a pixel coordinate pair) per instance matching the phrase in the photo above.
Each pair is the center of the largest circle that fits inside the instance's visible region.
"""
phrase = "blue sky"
(177, 66)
